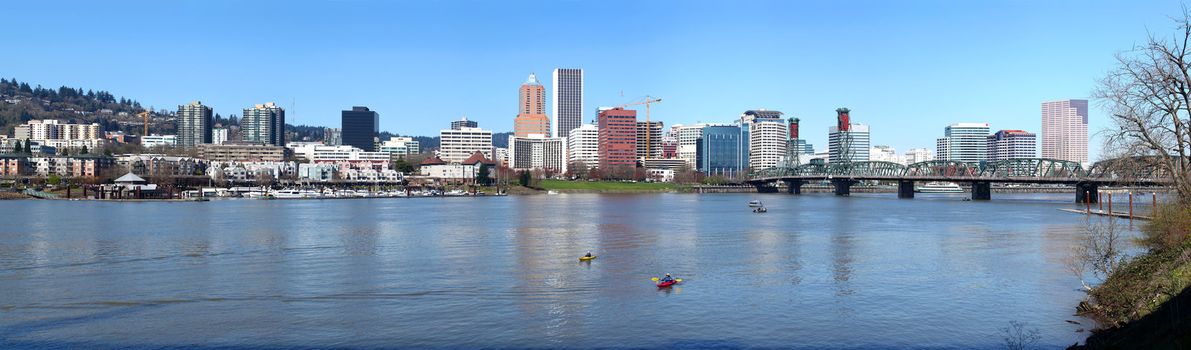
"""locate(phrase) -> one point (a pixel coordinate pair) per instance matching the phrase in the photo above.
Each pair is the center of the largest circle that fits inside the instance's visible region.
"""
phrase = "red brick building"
(618, 138)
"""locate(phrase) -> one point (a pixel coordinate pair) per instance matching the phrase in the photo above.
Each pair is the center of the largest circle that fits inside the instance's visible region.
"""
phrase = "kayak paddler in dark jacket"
(667, 278)
(588, 255)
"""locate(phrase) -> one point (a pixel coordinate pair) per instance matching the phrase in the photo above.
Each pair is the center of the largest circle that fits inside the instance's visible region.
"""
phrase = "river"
(816, 271)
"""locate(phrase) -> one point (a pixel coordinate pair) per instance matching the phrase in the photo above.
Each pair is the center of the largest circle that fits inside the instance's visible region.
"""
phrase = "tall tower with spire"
(531, 115)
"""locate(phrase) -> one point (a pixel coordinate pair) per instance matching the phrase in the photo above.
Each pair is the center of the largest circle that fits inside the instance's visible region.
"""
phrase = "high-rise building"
(1012, 144)
(669, 147)
(883, 153)
(332, 136)
(583, 146)
(688, 140)
(538, 152)
(464, 123)
(360, 128)
(567, 95)
(194, 124)
(264, 124)
(649, 139)
(963, 142)
(916, 155)
(722, 150)
(1065, 130)
(618, 138)
(401, 146)
(457, 145)
(768, 138)
(805, 148)
(847, 141)
(531, 115)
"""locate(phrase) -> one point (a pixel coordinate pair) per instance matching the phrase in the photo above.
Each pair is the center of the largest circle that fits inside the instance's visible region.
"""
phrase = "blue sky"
(907, 68)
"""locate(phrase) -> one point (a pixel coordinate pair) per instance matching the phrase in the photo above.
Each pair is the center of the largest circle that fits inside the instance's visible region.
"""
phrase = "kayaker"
(588, 255)
(667, 278)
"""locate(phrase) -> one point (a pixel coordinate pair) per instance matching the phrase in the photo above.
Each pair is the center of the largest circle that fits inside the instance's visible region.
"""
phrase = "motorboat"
(755, 204)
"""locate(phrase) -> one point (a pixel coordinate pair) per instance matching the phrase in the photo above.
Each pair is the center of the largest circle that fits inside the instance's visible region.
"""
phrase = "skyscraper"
(583, 146)
(963, 142)
(194, 124)
(722, 150)
(768, 138)
(457, 145)
(531, 115)
(464, 123)
(567, 95)
(263, 123)
(847, 141)
(1012, 144)
(618, 139)
(649, 139)
(1065, 130)
(538, 152)
(360, 127)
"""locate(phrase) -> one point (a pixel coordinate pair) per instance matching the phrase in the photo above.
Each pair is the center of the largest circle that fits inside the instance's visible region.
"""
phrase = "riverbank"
(563, 186)
(1143, 303)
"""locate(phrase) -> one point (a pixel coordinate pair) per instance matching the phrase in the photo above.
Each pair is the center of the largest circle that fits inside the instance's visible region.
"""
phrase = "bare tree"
(1100, 251)
(1149, 98)
(1018, 337)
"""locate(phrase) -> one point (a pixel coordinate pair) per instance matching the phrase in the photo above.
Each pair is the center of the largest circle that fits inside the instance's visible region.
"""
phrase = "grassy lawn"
(605, 185)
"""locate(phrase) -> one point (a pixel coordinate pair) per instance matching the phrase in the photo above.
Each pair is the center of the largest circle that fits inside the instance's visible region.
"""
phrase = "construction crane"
(145, 116)
(648, 127)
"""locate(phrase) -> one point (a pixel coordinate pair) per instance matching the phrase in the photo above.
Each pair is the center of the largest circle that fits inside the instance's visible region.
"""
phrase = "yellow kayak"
(587, 258)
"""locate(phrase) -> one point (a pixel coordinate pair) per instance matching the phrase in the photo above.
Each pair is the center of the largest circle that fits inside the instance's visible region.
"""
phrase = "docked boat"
(939, 187)
(755, 204)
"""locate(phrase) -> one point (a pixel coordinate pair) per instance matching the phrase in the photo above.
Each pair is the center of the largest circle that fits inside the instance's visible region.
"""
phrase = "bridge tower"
(843, 125)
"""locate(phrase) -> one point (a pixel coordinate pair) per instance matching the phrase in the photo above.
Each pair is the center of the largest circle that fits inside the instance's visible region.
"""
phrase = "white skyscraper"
(884, 153)
(1012, 144)
(566, 94)
(583, 146)
(1065, 130)
(964, 142)
(915, 155)
(688, 141)
(538, 152)
(768, 139)
(857, 137)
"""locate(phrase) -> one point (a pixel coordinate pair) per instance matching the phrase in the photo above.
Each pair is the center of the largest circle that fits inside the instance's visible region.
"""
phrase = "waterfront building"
(963, 142)
(617, 138)
(351, 156)
(457, 145)
(567, 96)
(916, 155)
(464, 171)
(160, 165)
(1065, 130)
(219, 136)
(464, 123)
(263, 123)
(538, 152)
(194, 124)
(856, 137)
(77, 166)
(649, 139)
(722, 150)
(332, 136)
(1012, 144)
(883, 153)
(400, 146)
(152, 141)
(583, 146)
(531, 115)
(241, 152)
(317, 172)
(768, 138)
(14, 165)
(360, 127)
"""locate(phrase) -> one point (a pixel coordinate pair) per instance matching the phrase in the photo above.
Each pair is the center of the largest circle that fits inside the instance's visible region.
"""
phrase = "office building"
(1012, 144)
(457, 145)
(538, 152)
(768, 138)
(194, 124)
(688, 139)
(851, 144)
(567, 96)
(722, 150)
(531, 115)
(649, 140)
(263, 123)
(152, 141)
(464, 123)
(360, 127)
(618, 138)
(219, 136)
(882, 153)
(963, 142)
(1065, 130)
(332, 136)
(916, 155)
(583, 146)
(241, 152)
(401, 146)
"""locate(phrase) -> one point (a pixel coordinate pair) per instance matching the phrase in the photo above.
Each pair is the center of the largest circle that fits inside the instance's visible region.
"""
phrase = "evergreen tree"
(84, 150)
(17, 148)
(483, 176)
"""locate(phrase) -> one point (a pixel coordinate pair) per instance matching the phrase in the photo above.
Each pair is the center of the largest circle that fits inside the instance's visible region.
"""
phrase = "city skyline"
(885, 78)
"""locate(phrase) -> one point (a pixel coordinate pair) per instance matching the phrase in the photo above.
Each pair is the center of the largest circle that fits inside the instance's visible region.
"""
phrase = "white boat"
(755, 204)
(939, 187)
(551, 192)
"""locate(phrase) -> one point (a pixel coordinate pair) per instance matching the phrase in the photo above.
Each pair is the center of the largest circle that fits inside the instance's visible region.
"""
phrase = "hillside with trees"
(22, 102)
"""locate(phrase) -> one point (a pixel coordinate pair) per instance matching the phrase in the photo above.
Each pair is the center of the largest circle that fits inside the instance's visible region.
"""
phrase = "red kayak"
(667, 284)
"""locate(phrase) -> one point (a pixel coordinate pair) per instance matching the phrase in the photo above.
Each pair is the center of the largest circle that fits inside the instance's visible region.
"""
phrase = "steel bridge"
(981, 175)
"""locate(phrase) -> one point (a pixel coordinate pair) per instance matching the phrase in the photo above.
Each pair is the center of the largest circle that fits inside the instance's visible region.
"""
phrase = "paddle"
(655, 279)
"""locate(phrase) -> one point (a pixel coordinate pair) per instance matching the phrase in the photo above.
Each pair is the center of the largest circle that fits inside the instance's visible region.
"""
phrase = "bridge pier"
(843, 187)
(981, 191)
(765, 187)
(905, 189)
(794, 186)
(1086, 192)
